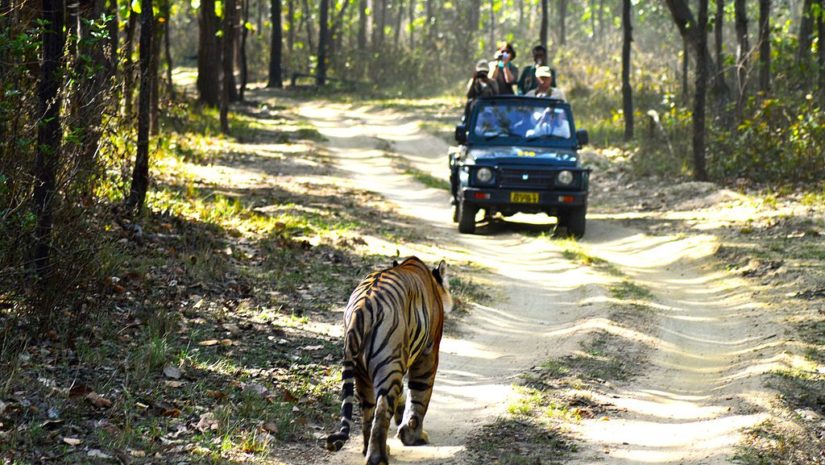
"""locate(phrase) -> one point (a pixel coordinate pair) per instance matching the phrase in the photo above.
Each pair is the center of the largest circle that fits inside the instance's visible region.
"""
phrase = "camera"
(501, 55)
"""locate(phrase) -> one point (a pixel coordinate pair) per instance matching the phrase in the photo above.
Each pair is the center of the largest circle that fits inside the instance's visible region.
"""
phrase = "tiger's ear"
(440, 272)
(394, 263)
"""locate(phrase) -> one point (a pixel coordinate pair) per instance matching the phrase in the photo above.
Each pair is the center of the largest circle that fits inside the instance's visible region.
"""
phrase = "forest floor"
(687, 327)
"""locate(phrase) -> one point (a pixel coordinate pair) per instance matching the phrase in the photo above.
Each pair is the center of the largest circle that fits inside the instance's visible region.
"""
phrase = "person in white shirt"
(545, 77)
(550, 122)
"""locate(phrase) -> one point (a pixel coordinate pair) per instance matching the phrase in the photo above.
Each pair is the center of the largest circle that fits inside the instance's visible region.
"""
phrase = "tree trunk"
(114, 27)
(699, 172)
(399, 18)
(154, 91)
(209, 55)
(92, 70)
(244, 35)
(306, 17)
(685, 70)
(742, 52)
(290, 38)
(820, 33)
(411, 23)
(492, 24)
(562, 22)
(543, 24)
(128, 67)
(520, 7)
(140, 173)
(627, 90)
(321, 71)
(170, 86)
(806, 30)
(49, 133)
(362, 25)
(764, 45)
(232, 15)
(688, 30)
(275, 46)
(718, 32)
(228, 62)
(592, 19)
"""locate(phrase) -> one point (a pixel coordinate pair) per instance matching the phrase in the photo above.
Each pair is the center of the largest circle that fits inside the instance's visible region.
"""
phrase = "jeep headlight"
(484, 175)
(565, 178)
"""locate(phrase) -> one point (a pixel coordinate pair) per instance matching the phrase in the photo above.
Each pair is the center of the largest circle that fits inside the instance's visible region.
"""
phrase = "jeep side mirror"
(582, 137)
(461, 134)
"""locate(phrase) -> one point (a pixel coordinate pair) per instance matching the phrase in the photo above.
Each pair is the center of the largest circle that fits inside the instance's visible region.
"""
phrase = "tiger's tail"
(335, 441)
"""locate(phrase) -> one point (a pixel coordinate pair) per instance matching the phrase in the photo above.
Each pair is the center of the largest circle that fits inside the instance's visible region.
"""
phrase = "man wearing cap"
(480, 85)
(528, 81)
(545, 77)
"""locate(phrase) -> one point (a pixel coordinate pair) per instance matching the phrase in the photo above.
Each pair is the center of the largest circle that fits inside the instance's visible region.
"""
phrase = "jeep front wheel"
(574, 220)
(466, 217)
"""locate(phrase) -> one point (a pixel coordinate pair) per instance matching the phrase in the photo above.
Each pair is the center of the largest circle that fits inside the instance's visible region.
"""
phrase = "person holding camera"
(545, 87)
(505, 73)
(528, 80)
(480, 85)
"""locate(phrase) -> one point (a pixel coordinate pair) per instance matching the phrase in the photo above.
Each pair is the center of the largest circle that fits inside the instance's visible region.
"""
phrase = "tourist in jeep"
(545, 88)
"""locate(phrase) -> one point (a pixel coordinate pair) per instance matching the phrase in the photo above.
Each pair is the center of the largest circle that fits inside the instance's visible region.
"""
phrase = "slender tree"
(718, 31)
(48, 132)
(228, 40)
(685, 70)
(806, 30)
(209, 55)
(244, 35)
(764, 45)
(543, 24)
(275, 55)
(154, 89)
(321, 70)
(362, 25)
(140, 173)
(742, 51)
(128, 67)
(820, 32)
(562, 22)
(699, 172)
(627, 90)
(290, 16)
(167, 12)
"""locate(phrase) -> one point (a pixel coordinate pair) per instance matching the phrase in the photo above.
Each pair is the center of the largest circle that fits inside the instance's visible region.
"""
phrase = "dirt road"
(706, 340)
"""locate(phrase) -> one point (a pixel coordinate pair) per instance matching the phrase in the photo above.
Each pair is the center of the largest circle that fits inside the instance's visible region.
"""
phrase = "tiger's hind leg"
(422, 377)
(366, 397)
(398, 416)
(388, 392)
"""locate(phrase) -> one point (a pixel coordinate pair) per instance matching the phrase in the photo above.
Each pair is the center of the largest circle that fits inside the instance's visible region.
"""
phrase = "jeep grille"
(513, 178)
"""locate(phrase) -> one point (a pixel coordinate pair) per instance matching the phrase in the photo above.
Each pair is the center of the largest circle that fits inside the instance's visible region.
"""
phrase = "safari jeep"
(519, 154)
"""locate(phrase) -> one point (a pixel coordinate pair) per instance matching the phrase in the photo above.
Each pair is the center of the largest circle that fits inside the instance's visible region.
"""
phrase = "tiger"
(393, 324)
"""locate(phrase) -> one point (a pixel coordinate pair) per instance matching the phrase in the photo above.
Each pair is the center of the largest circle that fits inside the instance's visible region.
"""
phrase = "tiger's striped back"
(393, 321)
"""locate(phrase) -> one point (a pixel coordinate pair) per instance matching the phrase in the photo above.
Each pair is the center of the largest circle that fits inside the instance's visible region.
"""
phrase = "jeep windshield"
(522, 121)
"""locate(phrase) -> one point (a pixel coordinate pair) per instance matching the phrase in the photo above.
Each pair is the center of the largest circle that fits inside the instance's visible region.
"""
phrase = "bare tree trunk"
(362, 25)
(699, 171)
(492, 24)
(275, 57)
(718, 32)
(114, 27)
(764, 45)
(543, 24)
(685, 69)
(411, 23)
(290, 38)
(820, 33)
(154, 91)
(601, 19)
(244, 35)
(48, 133)
(520, 7)
(592, 19)
(321, 71)
(627, 90)
(310, 28)
(129, 72)
(806, 30)
(170, 86)
(562, 22)
(742, 52)
(209, 55)
(228, 63)
(399, 18)
(140, 173)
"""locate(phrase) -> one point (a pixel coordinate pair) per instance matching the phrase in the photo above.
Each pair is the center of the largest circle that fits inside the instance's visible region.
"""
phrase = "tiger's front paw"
(336, 441)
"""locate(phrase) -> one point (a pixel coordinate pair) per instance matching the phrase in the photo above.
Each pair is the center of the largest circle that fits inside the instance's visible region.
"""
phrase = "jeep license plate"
(524, 197)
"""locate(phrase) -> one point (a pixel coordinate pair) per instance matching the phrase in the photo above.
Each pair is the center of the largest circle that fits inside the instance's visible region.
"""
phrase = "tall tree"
(244, 35)
(48, 131)
(167, 12)
(806, 30)
(209, 55)
(820, 33)
(627, 90)
(362, 25)
(764, 45)
(562, 22)
(228, 40)
(128, 67)
(543, 24)
(699, 172)
(321, 70)
(718, 31)
(742, 51)
(290, 39)
(275, 46)
(140, 173)
(154, 89)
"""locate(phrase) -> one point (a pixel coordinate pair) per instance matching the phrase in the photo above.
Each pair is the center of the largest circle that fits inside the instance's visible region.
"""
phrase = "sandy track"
(709, 341)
